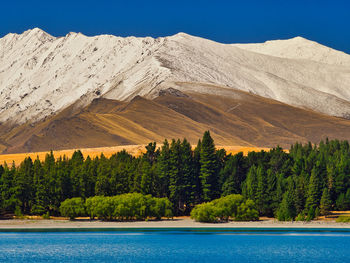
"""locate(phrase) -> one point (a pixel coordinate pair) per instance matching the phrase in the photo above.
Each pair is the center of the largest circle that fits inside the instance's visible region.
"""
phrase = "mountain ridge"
(43, 77)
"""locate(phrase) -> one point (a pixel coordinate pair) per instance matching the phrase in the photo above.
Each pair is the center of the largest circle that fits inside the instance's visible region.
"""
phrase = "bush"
(132, 206)
(301, 217)
(247, 212)
(46, 215)
(206, 212)
(18, 212)
(343, 219)
(73, 208)
(222, 209)
(38, 210)
(162, 207)
(92, 205)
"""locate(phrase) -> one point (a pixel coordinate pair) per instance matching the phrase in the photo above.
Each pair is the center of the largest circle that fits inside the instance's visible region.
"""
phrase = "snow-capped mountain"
(40, 75)
(77, 91)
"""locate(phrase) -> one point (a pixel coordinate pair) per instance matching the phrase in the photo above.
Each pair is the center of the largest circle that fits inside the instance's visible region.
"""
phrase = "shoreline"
(42, 224)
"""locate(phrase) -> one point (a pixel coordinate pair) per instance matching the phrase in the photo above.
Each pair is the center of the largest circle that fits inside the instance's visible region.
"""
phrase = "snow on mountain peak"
(41, 75)
(299, 48)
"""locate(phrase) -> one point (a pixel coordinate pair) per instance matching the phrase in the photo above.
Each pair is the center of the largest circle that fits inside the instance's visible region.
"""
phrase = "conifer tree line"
(303, 183)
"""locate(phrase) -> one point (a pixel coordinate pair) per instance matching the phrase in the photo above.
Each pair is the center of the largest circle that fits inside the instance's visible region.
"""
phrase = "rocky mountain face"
(48, 83)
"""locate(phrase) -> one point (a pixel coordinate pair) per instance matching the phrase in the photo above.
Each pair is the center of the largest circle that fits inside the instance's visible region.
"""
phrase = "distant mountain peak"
(299, 48)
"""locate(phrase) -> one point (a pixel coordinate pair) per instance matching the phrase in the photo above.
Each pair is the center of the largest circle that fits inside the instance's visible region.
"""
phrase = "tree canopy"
(299, 184)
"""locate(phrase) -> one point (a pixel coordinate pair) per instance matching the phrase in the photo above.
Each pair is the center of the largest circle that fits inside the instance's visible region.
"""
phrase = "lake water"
(181, 245)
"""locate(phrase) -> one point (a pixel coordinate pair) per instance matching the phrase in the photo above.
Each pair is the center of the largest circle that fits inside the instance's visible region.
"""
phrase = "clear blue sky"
(327, 22)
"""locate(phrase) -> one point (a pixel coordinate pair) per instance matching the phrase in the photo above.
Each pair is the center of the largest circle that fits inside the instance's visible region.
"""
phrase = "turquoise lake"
(176, 245)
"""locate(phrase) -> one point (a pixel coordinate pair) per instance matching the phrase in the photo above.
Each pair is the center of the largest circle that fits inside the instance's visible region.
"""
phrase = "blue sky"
(327, 22)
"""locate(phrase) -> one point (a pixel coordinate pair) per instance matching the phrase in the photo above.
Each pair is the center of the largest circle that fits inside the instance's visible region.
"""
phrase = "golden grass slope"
(135, 150)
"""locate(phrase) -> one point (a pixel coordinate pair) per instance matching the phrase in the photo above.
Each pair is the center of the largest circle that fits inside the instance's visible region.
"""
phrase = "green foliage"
(247, 211)
(133, 206)
(73, 207)
(343, 219)
(300, 217)
(326, 203)
(46, 215)
(18, 212)
(307, 180)
(286, 212)
(232, 206)
(208, 170)
(205, 212)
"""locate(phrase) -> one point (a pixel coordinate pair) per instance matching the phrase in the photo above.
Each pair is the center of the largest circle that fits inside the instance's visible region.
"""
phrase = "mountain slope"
(41, 75)
(78, 91)
(246, 120)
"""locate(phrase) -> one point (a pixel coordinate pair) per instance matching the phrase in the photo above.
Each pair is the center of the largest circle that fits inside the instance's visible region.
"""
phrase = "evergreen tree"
(208, 170)
(23, 183)
(188, 176)
(313, 194)
(251, 184)
(103, 186)
(261, 194)
(9, 200)
(176, 188)
(286, 211)
(147, 178)
(197, 187)
(326, 203)
(163, 170)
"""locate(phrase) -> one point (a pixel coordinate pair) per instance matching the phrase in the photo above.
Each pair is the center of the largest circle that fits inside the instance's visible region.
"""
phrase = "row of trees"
(222, 209)
(133, 206)
(307, 181)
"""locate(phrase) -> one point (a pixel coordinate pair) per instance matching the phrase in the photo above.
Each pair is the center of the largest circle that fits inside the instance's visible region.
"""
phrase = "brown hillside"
(239, 118)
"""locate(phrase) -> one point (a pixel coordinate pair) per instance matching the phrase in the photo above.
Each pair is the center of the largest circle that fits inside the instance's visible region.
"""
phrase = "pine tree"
(163, 168)
(287, 211)
(103, 186)
(326, 203)
(313, 194)
(9, 201)
(261, 194)
(147, 178)
(208, 171)
(41, 201)
(23, 183)
(251, 184)
(188, 176)
(197, 187)
(77, 174)
(175, 177)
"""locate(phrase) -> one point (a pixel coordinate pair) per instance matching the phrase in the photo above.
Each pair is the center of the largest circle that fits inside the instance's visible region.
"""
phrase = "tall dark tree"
(208, 170)
(326, 203)
(313, 194)
(163, 170)
(23, 185)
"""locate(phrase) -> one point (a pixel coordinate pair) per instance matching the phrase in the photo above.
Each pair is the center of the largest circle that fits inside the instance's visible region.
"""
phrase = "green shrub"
(18, 212)
(132, 206)
(73, 208)
(301, 217)
(162, 207)
(92, 205)
(343, 219)
(247, 212)
(46, 215)
(38, 210)
(222, 209)
(206, 212)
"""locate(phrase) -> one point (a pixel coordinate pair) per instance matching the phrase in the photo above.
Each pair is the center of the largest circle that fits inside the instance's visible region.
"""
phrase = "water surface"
(176, 245)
